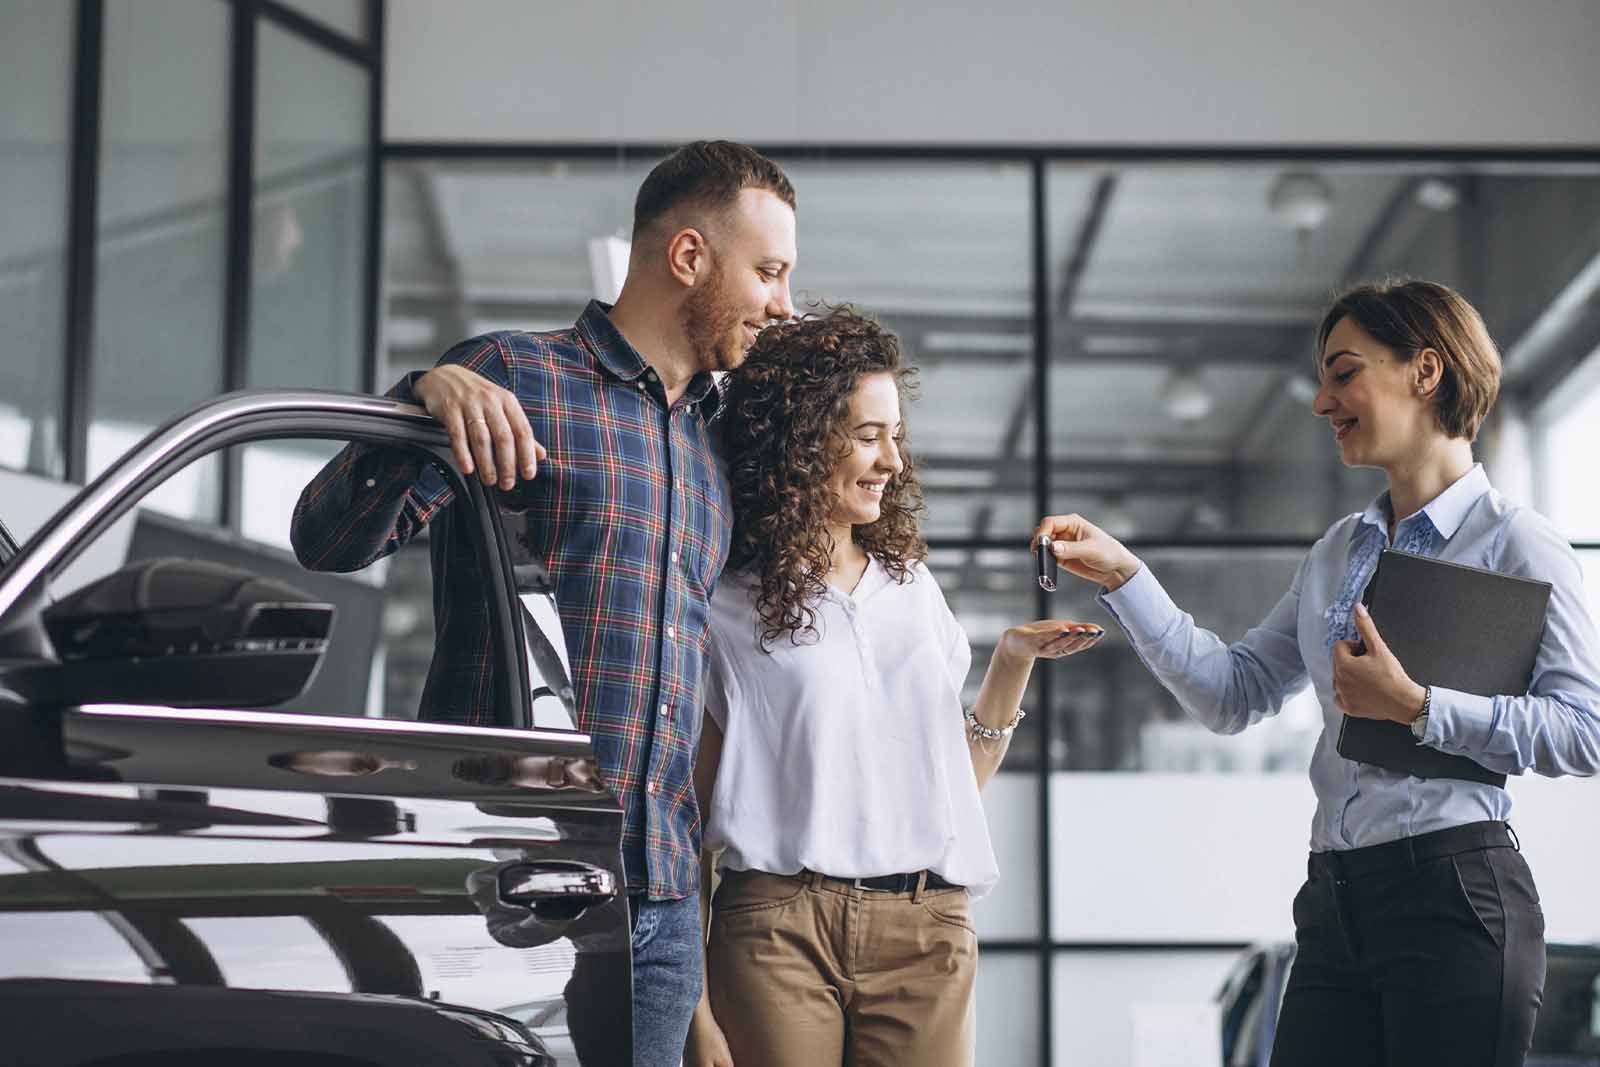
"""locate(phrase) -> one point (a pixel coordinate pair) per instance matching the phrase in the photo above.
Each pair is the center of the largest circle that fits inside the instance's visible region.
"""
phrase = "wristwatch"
(1419, 725)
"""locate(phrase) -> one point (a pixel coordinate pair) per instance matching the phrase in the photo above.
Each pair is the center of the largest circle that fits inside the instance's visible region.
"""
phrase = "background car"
(1566, 1035)
(225, 837)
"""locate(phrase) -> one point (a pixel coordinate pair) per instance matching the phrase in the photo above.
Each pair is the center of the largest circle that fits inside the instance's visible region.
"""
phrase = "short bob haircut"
(1408, 316)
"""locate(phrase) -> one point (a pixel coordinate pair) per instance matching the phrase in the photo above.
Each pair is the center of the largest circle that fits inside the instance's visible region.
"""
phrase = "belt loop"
(1516, 842)
(922, 882)
(1411, 852)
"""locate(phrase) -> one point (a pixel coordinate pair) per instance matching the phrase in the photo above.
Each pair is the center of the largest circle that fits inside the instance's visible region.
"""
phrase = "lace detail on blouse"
(1416, 535)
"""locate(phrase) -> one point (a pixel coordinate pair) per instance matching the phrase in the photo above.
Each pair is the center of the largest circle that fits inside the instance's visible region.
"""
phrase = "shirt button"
(666, 711)
(640, 383)
(372, 483)
(671, 633)
(650, 788)
(674, 555)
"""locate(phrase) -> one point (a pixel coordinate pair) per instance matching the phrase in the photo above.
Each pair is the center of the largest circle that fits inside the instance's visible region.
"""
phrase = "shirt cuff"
(405, 389)
(1141, 607)
(1459, 722)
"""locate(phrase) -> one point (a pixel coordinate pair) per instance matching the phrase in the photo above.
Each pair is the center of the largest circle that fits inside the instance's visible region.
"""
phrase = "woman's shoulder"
(1526, 542)
(915, 577)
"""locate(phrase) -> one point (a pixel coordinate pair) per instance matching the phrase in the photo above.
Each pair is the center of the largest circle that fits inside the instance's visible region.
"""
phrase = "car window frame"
(250, 417)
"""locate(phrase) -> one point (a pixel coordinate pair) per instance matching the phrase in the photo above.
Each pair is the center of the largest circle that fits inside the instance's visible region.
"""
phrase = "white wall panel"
(1184, 858)
(1365, 72)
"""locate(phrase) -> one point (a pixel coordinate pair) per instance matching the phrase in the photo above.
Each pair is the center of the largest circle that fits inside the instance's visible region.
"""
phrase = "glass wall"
(36, 50)
(162, 241)
(348, 17)
(261, 138)
(308, 252)
(1179, 300)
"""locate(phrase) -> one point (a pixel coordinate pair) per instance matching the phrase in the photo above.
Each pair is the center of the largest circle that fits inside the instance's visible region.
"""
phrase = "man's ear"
(688, 256)
(1427, 371)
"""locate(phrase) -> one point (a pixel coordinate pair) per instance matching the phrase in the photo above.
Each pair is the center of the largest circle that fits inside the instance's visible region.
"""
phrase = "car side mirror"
(183, 633)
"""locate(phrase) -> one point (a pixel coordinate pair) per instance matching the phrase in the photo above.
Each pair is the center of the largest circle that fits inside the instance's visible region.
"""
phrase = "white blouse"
(847, 753)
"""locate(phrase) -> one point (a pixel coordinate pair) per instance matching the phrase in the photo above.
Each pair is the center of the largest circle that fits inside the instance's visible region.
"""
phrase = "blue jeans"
(666, 968)
(668, 973)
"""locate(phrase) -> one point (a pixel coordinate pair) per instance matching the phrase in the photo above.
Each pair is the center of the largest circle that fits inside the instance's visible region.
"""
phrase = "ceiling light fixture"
(1184, 395)
(973, 341)
(1436, 194)
(1301, 389)
(1300, 202)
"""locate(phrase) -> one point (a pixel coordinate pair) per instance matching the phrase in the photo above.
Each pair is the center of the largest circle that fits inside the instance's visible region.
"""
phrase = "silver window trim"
(64, 528)
(325, 722)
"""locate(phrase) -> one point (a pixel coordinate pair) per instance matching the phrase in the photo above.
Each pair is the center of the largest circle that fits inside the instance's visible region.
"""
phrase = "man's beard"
(712, 325)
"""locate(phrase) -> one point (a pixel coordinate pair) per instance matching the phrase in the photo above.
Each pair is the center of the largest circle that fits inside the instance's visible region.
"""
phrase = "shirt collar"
(1447, 511)
(623, 361)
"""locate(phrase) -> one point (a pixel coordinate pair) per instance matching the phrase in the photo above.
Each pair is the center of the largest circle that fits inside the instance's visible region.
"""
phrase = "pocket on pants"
(747, 892)
(1480, 892)
(953, 907)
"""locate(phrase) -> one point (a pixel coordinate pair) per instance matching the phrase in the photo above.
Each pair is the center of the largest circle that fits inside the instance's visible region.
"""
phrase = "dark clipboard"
(1460, 627)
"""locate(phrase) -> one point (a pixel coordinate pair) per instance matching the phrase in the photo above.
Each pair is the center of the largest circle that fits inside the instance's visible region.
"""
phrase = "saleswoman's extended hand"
(1088, 551)
(1048, 639)
(1373, 685)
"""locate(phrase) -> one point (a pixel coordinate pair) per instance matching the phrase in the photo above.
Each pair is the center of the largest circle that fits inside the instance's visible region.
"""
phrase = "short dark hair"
(1409, 315)
(708, 174)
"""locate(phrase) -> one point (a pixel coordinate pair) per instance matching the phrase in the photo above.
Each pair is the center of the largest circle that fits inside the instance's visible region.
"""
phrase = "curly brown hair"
(783, 426)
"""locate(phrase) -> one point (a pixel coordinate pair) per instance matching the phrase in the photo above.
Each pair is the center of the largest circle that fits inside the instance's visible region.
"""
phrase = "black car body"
(296, 882)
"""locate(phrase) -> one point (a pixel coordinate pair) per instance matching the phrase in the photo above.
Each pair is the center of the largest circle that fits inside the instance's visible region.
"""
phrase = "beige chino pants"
(807, 971)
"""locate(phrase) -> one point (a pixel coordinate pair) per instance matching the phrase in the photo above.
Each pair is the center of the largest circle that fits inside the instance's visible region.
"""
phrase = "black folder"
(1450, 625)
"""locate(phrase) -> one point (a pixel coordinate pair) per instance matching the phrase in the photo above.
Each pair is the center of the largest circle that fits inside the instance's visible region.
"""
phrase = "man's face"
(747, 287)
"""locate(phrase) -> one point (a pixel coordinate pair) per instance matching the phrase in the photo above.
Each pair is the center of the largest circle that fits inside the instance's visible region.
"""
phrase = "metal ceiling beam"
(1083, 246)
(1108, 340)
(1362, 260)
(1128, 477)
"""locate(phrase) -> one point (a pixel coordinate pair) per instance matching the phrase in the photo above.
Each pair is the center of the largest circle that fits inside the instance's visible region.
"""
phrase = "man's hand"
(1088, 551)
(489, 432)
(1373, 685)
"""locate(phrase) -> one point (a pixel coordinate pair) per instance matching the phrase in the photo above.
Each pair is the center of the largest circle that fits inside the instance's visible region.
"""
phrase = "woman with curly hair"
(838, 775)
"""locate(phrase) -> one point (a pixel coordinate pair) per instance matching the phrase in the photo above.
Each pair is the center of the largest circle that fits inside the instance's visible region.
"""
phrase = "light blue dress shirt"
(1554, 729)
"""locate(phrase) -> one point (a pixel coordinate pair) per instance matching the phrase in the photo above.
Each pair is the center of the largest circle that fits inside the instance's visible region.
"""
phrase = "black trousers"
(1428, 950)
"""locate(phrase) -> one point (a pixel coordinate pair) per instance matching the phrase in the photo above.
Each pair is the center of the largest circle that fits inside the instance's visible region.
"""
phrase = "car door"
(299, 883)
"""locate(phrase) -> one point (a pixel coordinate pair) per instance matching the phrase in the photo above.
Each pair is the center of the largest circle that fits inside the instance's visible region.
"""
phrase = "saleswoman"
(1420, 938)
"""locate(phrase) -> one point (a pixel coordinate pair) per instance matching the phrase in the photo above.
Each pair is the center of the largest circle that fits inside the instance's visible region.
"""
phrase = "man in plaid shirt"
(632, 518)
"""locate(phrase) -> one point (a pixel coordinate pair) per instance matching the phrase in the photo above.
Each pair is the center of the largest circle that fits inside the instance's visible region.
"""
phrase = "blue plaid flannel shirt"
(633, 523)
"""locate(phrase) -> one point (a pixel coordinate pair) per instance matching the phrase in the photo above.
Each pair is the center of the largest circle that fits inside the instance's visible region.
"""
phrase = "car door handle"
(557, 890)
